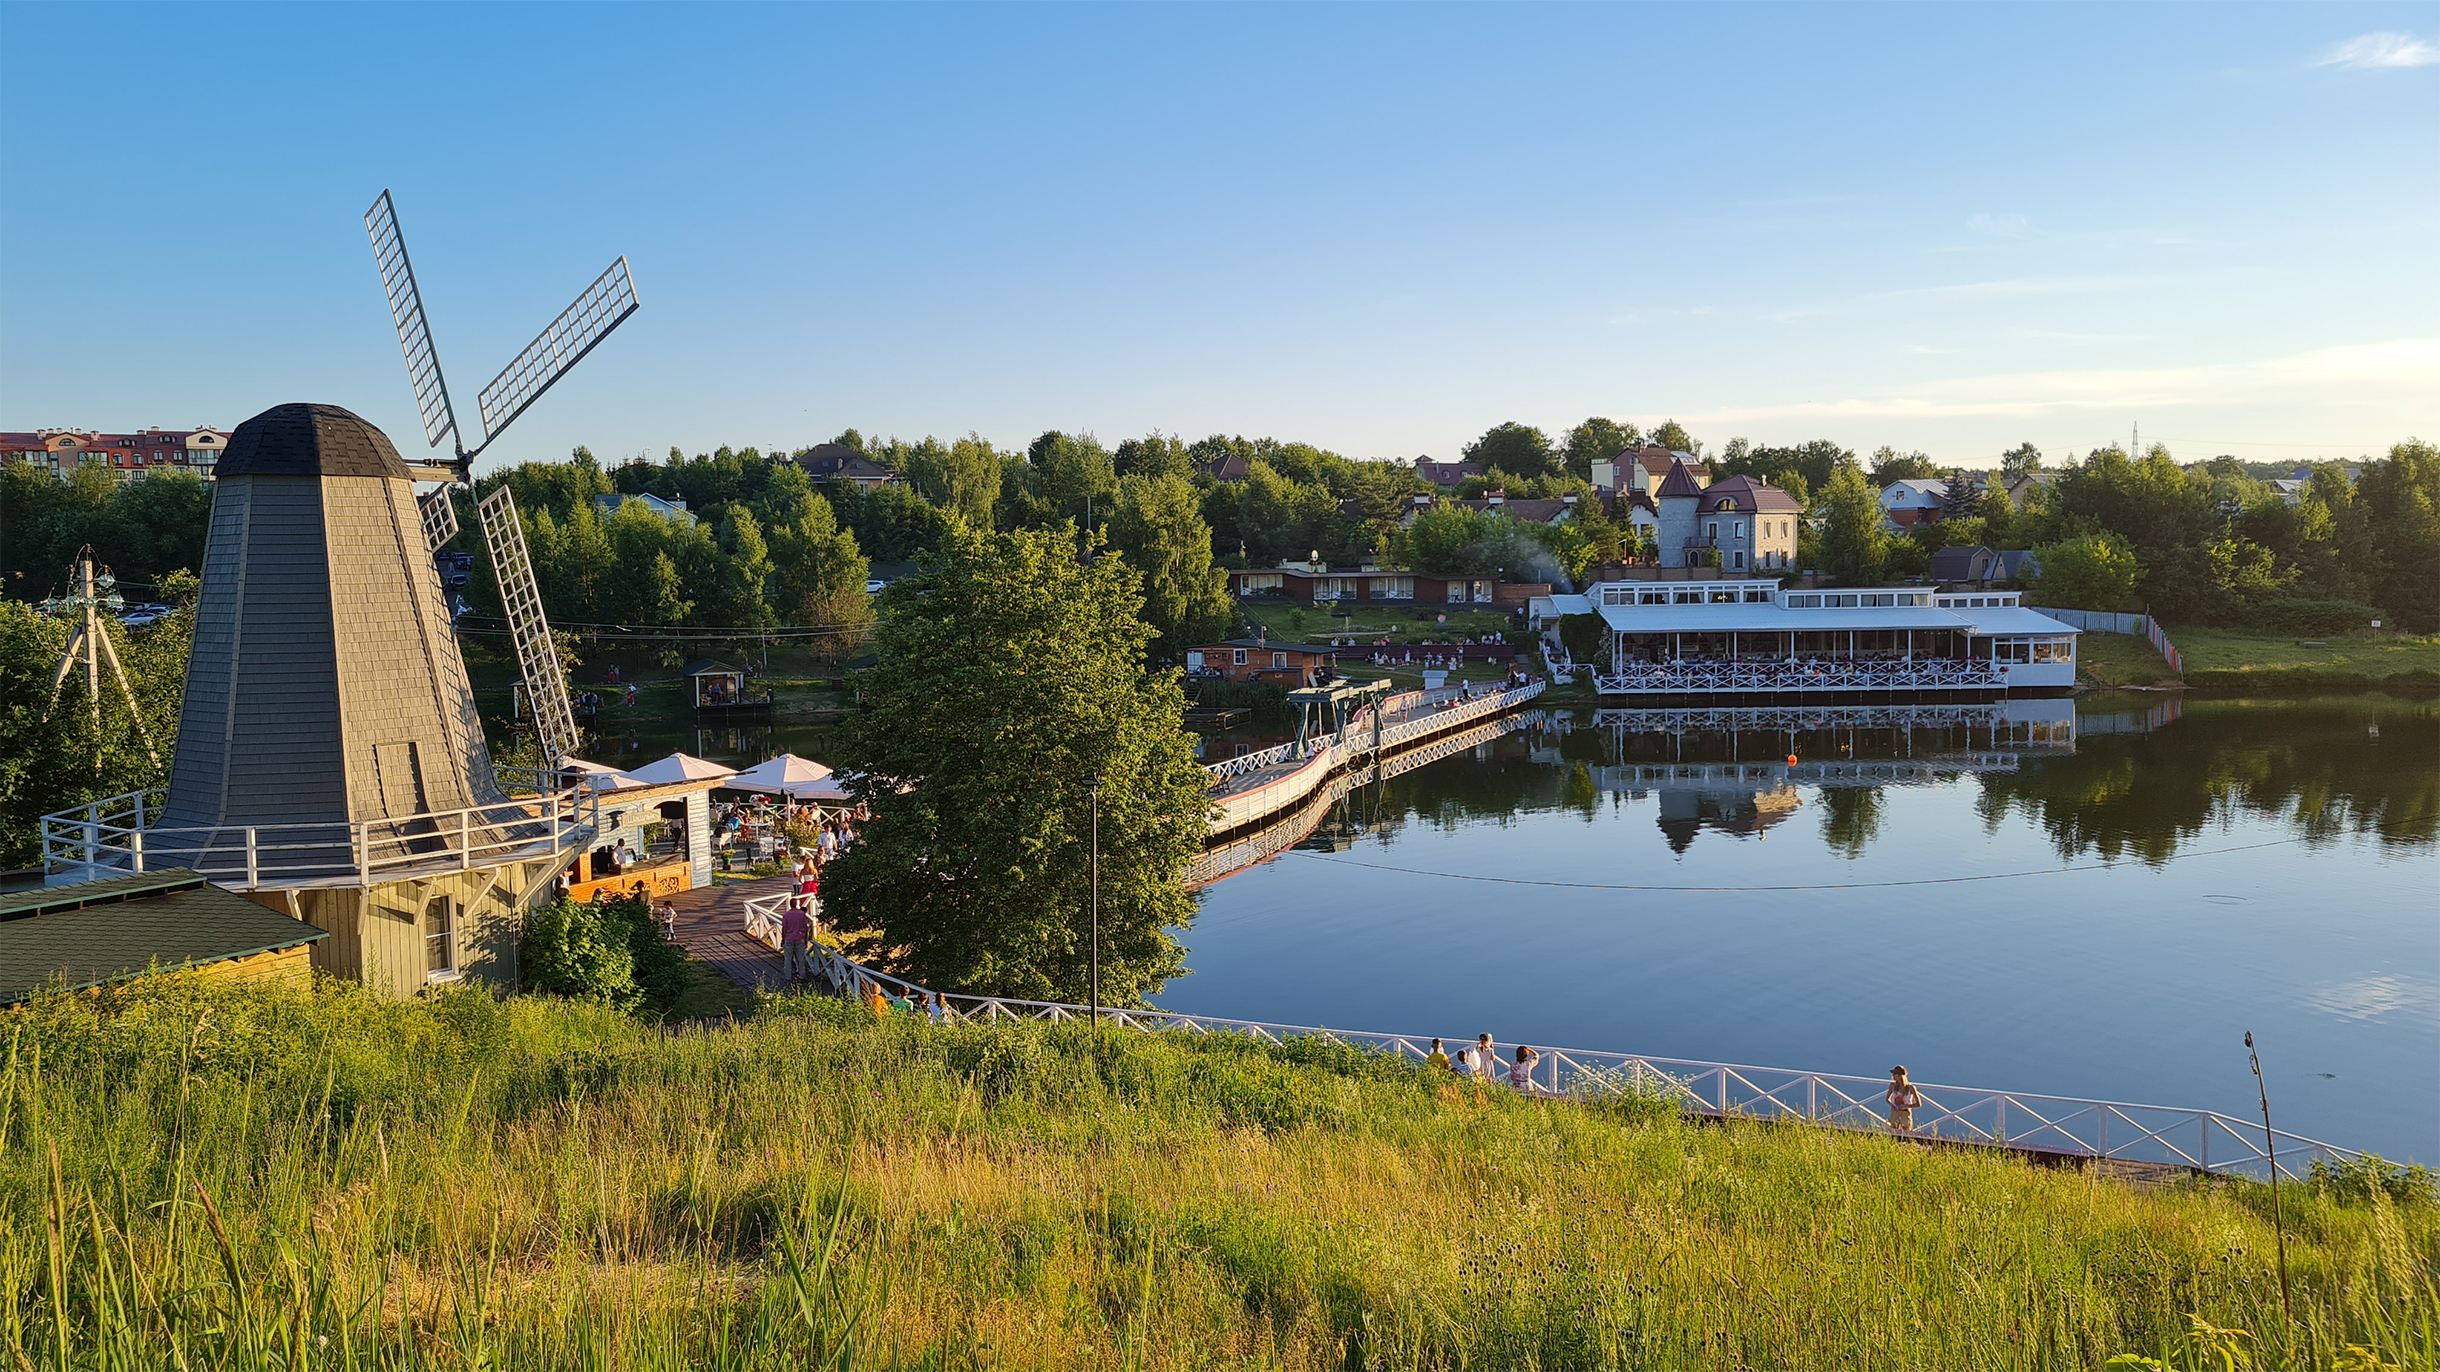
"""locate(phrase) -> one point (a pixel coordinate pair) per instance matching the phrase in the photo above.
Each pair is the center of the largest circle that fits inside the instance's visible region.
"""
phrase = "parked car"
(873, 587)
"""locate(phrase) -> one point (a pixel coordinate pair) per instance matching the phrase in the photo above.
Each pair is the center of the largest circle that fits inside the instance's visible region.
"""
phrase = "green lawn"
(2232, 657)
(1410, 624)
(2120, 660)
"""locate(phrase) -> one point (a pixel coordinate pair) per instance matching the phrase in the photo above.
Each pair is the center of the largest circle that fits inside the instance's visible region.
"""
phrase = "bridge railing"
(2200, 1140)
(1359, 731)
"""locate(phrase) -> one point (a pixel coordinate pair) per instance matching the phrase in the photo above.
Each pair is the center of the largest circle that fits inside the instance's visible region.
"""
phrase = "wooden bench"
(2312, 643)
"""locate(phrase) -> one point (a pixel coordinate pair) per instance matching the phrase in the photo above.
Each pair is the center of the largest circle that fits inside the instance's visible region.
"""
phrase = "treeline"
(2206, 543)
(141, 530)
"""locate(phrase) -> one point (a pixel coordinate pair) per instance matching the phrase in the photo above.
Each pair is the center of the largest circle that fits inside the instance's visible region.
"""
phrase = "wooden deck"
(712, 928)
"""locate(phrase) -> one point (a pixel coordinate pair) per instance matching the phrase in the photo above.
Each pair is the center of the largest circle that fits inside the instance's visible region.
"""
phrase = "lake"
(2099, 900)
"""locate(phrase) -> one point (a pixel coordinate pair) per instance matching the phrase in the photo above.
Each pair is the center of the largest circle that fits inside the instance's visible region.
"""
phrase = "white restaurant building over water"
(1748, 637)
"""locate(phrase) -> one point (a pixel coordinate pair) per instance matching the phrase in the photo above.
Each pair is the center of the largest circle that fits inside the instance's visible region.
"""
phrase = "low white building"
(1748, 637)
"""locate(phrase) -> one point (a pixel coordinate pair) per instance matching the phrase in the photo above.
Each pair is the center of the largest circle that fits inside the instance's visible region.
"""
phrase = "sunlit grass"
(203, 1176)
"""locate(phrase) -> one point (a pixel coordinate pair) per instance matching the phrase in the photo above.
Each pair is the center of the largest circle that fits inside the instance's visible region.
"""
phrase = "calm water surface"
(2163, 877)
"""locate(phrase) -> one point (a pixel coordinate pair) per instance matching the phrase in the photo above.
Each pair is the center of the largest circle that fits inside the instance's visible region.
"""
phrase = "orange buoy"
(1791, 759)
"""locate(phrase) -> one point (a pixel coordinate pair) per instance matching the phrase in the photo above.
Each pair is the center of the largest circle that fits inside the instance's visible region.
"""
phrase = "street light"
(1093, 787)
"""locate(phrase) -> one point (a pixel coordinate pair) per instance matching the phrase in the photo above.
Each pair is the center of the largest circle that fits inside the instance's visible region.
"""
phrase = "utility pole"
(1093, 783)
(91, 644)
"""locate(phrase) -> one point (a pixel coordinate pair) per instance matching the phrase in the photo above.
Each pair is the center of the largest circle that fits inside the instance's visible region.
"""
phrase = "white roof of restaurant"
(2011, 619)
(1549, 605)
(1772, 618)
(786, 774)
(679, 767)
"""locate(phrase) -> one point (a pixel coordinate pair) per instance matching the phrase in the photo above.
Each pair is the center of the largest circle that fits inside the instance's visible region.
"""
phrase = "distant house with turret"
(1737, 524)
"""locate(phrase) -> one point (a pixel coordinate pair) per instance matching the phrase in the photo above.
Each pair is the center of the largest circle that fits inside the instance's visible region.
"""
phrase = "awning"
(678, 767)
(787, 775)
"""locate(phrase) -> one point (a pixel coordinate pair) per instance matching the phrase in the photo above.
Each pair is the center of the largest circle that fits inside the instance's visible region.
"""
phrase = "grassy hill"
(195, 1176)
(2231, 660)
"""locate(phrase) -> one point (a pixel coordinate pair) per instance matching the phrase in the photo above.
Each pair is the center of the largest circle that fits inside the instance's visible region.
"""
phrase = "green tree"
(1853, 549)
(1068, 476)
(1156, 525)
(1155, 454)
(2094, 572)
(1009, 673)
(1673, 436)
(821, 570)
(745, 573)
(1517, 449)
(2019, 462)
(1888, 464)
(64, 760)
(2400, 497)
(963, 478)
(1595, 439)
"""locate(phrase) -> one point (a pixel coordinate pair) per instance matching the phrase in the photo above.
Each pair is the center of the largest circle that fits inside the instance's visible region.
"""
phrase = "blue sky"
(1380, 229)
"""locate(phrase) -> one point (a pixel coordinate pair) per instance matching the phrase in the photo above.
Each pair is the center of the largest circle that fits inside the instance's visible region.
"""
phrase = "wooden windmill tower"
(330, 761)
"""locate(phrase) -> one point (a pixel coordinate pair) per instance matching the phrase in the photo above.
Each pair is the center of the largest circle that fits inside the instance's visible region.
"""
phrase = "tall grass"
(202, 1177)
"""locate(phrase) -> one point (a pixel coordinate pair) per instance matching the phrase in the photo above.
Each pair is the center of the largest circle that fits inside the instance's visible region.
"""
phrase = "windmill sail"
(414, 335)
(603, 306)
(440, 519)
(521, 601)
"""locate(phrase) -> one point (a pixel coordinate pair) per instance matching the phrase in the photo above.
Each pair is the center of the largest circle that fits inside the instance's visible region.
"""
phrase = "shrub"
(1585, 636)
(608, 952)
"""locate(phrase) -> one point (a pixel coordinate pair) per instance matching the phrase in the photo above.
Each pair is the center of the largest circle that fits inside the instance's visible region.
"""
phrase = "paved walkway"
(712, 928)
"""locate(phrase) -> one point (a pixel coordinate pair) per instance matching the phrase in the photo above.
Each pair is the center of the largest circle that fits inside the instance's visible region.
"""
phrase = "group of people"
(1480, 1061)
(897, 1001)
(800, 923)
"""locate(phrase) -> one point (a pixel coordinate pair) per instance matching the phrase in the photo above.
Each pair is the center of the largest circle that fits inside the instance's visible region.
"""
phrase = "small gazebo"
(715, 685)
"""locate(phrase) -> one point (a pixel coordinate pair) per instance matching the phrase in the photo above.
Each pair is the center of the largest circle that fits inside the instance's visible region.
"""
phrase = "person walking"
(1520, 1074)
(1903, 1098)
(795, 931)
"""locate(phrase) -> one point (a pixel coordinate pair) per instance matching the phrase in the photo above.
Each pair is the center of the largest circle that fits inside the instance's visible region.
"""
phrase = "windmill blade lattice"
(528, 629)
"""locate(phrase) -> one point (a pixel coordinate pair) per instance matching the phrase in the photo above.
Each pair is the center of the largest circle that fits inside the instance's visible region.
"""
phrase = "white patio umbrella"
(678, 767)
(785, 775)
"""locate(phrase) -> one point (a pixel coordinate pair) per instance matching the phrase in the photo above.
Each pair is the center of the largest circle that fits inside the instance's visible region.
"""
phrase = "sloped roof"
(1229, 467)
(101, 931)
(1680, 483)
(707, 667)
(1751, 496)
(1267, 645)
(310, 440)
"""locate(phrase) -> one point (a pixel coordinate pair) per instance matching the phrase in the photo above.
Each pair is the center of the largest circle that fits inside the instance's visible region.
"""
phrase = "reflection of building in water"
(1737, 771)
(1743, 810)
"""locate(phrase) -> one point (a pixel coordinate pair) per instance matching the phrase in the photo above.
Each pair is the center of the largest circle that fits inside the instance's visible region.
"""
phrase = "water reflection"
(2112, 779)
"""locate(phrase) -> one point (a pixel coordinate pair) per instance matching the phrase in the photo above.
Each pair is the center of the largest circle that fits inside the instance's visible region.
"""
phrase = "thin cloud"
(2375, 51)
(2409, 365)
(2001, 225)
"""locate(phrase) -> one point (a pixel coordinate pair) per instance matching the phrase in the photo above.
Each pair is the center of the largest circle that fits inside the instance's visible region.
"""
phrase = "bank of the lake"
(2231, 660)
(202, 1176)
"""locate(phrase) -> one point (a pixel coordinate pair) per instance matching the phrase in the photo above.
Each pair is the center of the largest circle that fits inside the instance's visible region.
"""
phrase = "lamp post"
(1093, 787)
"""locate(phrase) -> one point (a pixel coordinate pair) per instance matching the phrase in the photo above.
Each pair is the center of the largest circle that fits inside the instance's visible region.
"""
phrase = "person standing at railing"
(1520, 1073)
(795, 932)
(1486, 1060)
(1438, 1058)
(1902, 1098)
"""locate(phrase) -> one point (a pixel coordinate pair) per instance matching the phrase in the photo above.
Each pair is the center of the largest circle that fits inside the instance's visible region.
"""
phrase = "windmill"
(89, 644)
(600, 308)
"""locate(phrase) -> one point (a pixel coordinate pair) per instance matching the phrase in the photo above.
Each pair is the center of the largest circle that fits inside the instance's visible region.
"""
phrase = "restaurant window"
(1457, 593)
(1689, 597)
(1239, 659)
(1727, 597)
(440, 939)
(1652, 598)
(1804, 602)
(1757, 597)
(1279, 659)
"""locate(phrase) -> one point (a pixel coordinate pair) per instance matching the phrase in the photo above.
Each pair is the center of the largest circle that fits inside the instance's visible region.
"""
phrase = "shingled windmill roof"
(309, 440)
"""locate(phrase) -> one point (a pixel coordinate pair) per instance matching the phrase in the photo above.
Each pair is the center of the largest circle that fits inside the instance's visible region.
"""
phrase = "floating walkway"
(1258, 787)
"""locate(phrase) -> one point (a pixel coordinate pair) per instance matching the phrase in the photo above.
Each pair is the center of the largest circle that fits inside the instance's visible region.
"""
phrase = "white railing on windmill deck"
(2047, 1125)
(122, 834)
